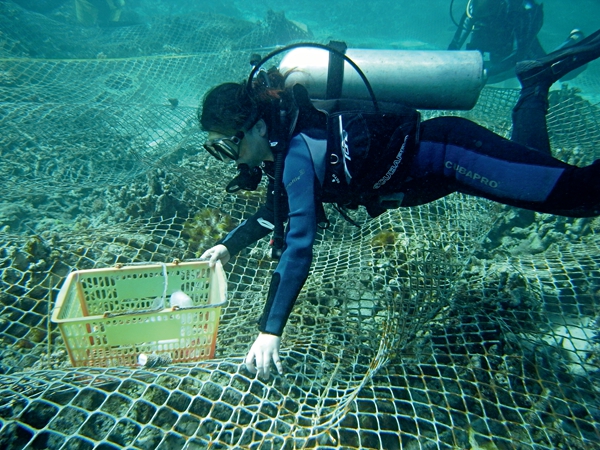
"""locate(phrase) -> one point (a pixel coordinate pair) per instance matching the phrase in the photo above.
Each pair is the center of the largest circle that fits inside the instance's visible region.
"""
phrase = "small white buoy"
(181, 300)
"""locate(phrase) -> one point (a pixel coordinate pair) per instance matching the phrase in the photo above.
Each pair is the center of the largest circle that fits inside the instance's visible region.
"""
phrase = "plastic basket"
(109, 317)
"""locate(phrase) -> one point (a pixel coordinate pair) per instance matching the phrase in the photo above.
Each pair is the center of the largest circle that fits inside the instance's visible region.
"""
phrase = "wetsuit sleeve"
(294, 265)
(252, 229)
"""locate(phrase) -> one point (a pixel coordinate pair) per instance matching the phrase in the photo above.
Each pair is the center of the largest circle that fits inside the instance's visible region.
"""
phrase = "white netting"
(458, 324)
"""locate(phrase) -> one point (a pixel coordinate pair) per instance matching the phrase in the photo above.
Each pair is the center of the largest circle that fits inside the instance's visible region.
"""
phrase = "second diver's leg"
(536, 77)
(548, 69)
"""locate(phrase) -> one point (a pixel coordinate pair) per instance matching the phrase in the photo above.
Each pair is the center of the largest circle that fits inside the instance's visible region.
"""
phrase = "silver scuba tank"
(428, 79)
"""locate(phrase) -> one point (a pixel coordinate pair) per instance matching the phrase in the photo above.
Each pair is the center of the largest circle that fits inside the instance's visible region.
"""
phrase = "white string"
(165, 285)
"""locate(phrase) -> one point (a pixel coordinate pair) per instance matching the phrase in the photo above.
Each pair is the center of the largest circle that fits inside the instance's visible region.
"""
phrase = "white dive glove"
(217, 253)
(264, 350)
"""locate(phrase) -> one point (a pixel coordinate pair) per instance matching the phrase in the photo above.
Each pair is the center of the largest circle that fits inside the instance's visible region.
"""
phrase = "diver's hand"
(264, 350)
(216, 253)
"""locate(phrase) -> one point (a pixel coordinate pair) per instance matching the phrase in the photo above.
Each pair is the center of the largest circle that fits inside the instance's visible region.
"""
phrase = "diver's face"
(253, 149)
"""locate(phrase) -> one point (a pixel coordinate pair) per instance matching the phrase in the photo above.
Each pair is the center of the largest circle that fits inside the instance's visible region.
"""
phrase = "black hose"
(458, 25)
(278, 121)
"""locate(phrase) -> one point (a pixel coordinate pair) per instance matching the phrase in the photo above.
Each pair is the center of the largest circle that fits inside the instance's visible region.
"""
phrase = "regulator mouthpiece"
(247, 179)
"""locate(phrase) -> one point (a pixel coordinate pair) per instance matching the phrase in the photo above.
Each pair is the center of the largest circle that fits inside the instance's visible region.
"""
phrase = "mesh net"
(458, 324)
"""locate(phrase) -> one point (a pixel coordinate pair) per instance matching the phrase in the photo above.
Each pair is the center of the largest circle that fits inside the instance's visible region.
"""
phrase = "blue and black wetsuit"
(451, 155)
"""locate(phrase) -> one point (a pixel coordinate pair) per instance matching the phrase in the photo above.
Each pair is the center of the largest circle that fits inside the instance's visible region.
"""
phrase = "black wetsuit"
(504, 39)
(424, 162)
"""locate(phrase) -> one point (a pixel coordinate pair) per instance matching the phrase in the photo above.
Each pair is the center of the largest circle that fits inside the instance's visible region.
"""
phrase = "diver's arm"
(253, 228)
(294, 265)
(264, 350)
(217, 253)
(249, 231)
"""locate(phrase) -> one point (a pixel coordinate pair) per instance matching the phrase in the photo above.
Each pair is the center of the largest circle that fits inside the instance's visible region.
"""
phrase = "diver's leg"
(552, 67)
(468, 158)
(575, 36)
(536, 77)
(577, 192)
(529, 119)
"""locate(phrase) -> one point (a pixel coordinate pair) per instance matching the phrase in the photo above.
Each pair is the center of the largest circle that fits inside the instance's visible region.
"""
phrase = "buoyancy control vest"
(359, 152)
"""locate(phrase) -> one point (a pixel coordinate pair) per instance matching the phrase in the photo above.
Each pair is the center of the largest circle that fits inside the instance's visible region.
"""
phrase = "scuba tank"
(427, 79)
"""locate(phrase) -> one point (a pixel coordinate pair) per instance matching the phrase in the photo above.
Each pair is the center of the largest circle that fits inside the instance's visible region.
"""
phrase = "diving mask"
(225, 148)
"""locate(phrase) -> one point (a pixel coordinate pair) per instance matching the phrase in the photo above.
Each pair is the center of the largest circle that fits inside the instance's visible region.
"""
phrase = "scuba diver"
(102, 12)
(505, 32)
(352, 153)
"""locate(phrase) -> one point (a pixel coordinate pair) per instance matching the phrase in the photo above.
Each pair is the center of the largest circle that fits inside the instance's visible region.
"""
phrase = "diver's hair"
(225, 108)
(231, 107)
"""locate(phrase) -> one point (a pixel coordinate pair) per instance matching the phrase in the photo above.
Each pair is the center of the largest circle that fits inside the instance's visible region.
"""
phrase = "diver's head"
(235, 125)
(485, 9)
(250, 147)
